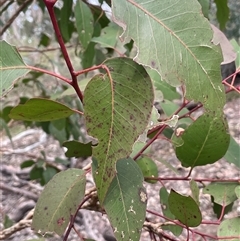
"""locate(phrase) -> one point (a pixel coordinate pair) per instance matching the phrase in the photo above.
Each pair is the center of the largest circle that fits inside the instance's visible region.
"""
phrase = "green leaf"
(175, 229)
(138, 145)
(58, 201)
(167, 90)
(58, 129)
(148, 168)
(84, 23)
(37, 109)
(78, 149)
(27, 163)
(177, 53)
(236, 47)
(7, 223)
(222, 12)
(45, 40)
(117, 110)
(233, 152)
(205, 7)
(65, 14)
(12, 67)
(229, 228)
(237, 191)
(109, 36)
(48, 173)
(185, 209)
(200, 141)
(195, 191)
(126, 200)
(223, 193)
(219, 208)
(3, 125)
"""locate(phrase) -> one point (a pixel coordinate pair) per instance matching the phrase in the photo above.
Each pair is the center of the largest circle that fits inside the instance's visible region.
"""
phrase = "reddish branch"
(50, 7)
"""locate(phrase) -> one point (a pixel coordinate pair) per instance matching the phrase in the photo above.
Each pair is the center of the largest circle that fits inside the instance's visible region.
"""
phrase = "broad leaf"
(12, 67)
(37, 109)
(126, 200)
(223, 193)
(117, 110)
(58, 201)
(177, 53)
(229, 228)
(175, 229)
(84, 22)
(78, 149)
(233, 153)
(196, 146)
(185, 209)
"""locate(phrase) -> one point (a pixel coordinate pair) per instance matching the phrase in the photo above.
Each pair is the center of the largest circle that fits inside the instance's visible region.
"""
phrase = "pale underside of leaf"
(180, 45)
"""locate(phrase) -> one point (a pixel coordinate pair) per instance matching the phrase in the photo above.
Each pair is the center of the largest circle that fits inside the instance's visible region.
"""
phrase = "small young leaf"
(232, 154)
(37, 109)
(84, 22)
(58, 201)
(148, 168)
(223, 193)
(185, 209)
(229, 228)
(12, 67)
(78, 149)
(126, 200)
(27, 163)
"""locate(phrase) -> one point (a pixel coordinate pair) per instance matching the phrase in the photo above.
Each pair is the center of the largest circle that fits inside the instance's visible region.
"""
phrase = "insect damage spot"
(60, 221)
(143, 195)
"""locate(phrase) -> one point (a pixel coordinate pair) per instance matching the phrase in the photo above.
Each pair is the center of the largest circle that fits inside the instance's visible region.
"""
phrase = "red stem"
(50, 4)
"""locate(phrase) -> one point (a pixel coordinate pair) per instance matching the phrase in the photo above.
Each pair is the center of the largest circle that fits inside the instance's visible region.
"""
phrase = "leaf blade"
(110, 118)
(53, 212)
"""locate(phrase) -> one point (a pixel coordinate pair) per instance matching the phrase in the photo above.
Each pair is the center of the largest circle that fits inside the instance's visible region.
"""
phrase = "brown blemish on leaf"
(60, 221)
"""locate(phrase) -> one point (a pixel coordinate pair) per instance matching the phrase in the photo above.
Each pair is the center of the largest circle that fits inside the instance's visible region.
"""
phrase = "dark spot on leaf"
(45, 208)
(60, 221)
(153, 63)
